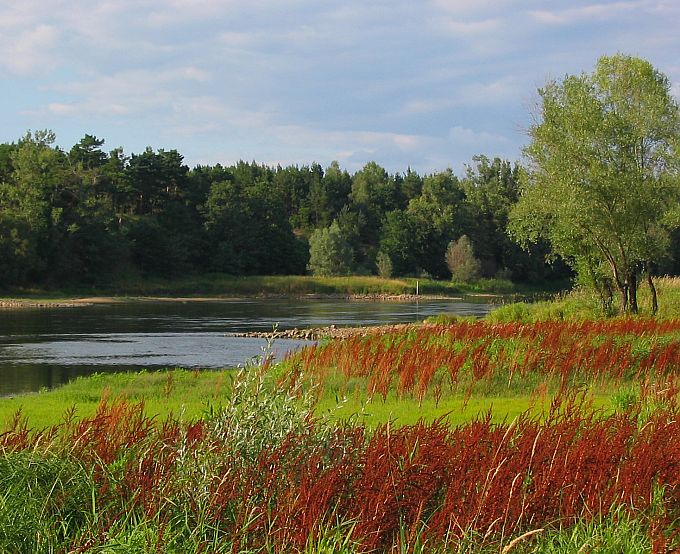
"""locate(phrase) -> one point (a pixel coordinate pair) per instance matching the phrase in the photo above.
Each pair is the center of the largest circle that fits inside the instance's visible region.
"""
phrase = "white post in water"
(417, 287)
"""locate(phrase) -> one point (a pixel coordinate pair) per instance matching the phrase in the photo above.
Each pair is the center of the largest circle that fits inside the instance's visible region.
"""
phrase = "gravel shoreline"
(21, 304)
(329, 332)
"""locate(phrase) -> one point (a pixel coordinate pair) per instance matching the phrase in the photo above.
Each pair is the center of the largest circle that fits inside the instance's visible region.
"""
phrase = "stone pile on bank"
(16, 304)
(318, 333)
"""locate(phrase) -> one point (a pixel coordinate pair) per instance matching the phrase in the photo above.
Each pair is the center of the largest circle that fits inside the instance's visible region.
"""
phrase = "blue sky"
(419, 83)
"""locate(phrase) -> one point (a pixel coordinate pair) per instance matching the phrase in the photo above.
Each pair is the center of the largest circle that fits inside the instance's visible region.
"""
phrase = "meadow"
(538, 434)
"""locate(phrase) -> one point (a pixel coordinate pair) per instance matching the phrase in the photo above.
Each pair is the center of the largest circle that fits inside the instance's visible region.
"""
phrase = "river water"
(44, 348)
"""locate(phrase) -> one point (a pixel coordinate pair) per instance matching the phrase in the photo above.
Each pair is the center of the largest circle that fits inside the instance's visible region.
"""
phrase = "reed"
(285, 479)
(474, 356)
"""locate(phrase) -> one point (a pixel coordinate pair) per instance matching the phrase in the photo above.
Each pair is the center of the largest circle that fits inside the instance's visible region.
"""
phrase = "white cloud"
(209, 111)
(468, 94)
(30, 50)
(134, 93)
(485, 93)
(420, 106)
(174, 12)
(339, 140)
(237, 39)
(469, 28)
(568, 16)
(464, 7)
(304, 80)
(59, 108)
(470, 137)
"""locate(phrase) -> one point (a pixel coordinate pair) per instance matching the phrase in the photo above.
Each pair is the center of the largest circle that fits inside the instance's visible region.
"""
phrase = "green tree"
(165, 223)
(6, 167)
(436, 217)
(337, 184)
(398, 242)
(329, 252)
(383, 265)
(410, 185)
(26, 207)
(603, 173)
(461, 260)
(248, 229)
(88, 152)
(374, 193)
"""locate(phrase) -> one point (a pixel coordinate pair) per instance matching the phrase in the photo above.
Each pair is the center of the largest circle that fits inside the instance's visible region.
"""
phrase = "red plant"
(564, 350)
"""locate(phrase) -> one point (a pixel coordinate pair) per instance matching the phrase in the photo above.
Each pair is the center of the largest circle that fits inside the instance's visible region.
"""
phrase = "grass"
(263, 475)
(184, 394)
(583, 304)
(222, 285)
(189, 395)
(193, 394)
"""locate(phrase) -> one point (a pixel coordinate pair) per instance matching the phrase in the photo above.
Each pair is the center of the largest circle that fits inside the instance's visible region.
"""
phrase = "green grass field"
(184, 394)
(188, 395)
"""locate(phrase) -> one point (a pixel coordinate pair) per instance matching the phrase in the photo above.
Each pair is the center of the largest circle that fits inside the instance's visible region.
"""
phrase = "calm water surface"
(45, 348)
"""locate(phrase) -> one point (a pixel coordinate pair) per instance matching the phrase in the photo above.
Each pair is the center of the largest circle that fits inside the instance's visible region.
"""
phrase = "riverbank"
(53, 303)
(222, 287)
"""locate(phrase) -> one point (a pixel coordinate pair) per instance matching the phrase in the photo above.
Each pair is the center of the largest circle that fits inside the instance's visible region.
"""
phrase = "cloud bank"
(425, 85)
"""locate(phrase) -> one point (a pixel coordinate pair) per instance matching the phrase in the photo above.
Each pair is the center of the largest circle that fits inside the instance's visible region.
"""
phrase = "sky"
(420, 84)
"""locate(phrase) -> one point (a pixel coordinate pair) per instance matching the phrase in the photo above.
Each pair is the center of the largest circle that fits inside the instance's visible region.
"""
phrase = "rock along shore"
(329, 332)
(20, 304)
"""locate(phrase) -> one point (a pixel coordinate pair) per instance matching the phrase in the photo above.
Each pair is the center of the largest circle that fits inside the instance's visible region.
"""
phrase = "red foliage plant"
(496, 480)
(615, 349)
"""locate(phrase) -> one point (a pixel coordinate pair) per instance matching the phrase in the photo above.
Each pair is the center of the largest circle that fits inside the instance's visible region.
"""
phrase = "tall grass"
(119, 480)
(185, 394)
(262, 473)
(259, 470)
(480, 357)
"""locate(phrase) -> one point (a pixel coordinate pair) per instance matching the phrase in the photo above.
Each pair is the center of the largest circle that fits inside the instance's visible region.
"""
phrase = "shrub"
(461, 261)
(384, 265)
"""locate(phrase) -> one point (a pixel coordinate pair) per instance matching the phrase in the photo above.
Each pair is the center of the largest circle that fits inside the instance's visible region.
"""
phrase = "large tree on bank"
(602, 178)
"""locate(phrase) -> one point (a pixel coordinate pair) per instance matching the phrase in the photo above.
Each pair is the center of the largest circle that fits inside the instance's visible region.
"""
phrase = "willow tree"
(602, 175)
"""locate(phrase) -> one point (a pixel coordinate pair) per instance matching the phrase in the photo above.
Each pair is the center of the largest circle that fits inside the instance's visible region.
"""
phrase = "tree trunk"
(622, 288)
(604, 289)
(623, 296)
(609, 294)
(652, 290)
(632, 292)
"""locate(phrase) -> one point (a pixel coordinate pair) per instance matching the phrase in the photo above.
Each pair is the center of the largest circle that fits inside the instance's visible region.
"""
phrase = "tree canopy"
(602, 176)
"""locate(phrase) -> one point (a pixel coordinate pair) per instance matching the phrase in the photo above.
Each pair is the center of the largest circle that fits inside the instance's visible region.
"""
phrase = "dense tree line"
(85, 215)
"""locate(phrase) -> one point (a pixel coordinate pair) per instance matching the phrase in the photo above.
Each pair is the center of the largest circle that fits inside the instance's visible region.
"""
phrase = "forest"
(606, 209)
(86, 215)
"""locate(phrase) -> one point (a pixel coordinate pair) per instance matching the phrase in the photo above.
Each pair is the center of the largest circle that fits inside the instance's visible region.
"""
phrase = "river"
(44, 348)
